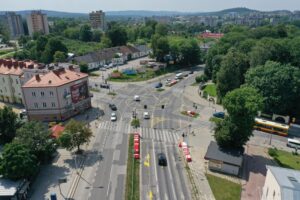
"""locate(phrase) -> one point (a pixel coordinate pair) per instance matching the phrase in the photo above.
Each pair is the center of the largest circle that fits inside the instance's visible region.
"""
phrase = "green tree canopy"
(242, 105)
(118, 35)
(53, 45)
(160, 46)
(161, 29)
(8, 124)
(279, 85)
(17, 161)
(37, 138)
(75, 134)
(85, 33)
(59, 56)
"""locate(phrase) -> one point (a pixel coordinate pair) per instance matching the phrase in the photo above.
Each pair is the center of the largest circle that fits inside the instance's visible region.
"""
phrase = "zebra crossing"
(158, 135)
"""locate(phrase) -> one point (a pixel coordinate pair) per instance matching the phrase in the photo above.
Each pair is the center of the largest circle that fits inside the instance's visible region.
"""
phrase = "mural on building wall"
(79, 92)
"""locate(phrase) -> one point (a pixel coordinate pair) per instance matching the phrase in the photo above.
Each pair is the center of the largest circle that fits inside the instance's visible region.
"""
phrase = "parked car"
(113, 107)
(102, 69)
(136, 98)
(106, 86)
(113, 117)
(168, 80)
(220, 115)
(158, 85)
(191, 72)
(146, 115)
(162, 159)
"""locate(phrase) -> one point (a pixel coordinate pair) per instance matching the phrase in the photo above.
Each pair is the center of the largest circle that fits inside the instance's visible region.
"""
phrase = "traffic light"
(162, 106)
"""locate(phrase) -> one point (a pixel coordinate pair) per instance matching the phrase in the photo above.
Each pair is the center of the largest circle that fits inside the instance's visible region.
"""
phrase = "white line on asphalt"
(169, 171)
(155, 168)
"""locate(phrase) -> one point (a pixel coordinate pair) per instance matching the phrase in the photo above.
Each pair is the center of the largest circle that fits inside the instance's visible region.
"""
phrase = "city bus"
(271, 127)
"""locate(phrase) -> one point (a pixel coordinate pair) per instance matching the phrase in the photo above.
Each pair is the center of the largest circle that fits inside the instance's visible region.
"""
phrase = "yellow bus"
(271, 127)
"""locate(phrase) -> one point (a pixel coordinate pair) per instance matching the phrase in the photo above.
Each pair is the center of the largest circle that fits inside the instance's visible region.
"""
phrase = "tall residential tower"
(97, 20)
(15, 24)
(37, 22)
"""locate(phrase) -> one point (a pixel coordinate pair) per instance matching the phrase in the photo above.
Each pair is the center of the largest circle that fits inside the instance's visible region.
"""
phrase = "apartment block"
(56, 95)
(37, 22)
(15, 24)
(97, 20)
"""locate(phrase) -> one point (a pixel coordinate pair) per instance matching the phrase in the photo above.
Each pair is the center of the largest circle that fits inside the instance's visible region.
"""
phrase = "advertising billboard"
(79, 92)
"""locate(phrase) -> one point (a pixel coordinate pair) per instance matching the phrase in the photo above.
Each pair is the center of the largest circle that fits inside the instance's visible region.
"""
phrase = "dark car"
(158, 85)
(191, 72)
(162, 160)
(113, 107)
(106, 86)
(219, 115)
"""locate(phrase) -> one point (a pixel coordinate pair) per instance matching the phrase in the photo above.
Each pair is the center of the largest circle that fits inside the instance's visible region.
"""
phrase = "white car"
(113, 117)
(136, 98)
(146, 115)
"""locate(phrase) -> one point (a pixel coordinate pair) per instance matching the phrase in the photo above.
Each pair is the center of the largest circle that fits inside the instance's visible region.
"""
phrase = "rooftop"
(8, 187)
(230, 156)
(14, 67)
(54, 78)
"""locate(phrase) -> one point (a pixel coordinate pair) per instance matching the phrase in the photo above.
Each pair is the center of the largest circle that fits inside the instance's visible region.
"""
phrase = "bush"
(201, 79)
(272, 152)
(205, 95)
(135, 123)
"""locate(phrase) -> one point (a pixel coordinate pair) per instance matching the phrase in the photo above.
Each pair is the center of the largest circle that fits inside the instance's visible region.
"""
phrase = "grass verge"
(224, 189)
(112, 93)
(195, 192)
(132, 191)
(215, 119)
(285, 159)
(93, 74)
(135, 123)
(160, 89)
(211, 90)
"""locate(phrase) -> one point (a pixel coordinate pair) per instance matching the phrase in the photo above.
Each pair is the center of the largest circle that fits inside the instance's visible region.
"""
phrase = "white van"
(293, 143)
(179, 75)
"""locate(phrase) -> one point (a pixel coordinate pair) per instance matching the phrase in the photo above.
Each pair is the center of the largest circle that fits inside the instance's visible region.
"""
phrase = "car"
(106, 86)
(146, 115)
(168, 80)
(158, 85)
(220, 115)
(191, 72)
(102, 69)
(162, 159)
(136, 98)
(113, 117)
(113, 107)
(111, 65)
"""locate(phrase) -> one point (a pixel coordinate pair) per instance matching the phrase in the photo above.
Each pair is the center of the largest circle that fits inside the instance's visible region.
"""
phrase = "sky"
(85, 6)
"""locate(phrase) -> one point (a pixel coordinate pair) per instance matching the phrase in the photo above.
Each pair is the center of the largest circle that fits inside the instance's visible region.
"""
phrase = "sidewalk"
(66, 166)
(199, 143)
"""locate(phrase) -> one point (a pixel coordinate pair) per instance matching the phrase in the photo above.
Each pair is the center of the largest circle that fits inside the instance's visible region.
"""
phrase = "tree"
(8, 124)
(75, 134)
(72, 33)
(97, 36)
(160, 46)
(279, 85)
(83, 67)
(161, 29)
(242, 105)
(230, 75)
(59, 56)
(105, 42)
(53, 45)
(37, 138)
(17, 162)
(85, 33)
(117, 35)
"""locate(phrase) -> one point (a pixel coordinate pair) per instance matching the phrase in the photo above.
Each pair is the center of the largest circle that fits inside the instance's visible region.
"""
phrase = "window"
(51, 93)
(36, 105)
(17, 82)
(33, 94)
(53, 104)
(3, 80)
(42, 94)
(44, 104)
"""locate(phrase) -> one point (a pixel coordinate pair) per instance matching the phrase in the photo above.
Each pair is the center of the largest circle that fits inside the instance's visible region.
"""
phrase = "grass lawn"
(211, 90)
(80, 48)
(215, 119)
(147, 75)
(132, 191)
(285, 159)
(94, 90)
(224, 189)
(160, 89)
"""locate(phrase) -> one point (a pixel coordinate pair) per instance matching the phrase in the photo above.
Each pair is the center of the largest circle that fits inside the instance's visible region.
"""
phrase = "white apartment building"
(281, 184)
(57, 95)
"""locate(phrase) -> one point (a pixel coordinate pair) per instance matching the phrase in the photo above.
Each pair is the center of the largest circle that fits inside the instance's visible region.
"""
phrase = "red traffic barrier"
(188, 158)
(136, 156)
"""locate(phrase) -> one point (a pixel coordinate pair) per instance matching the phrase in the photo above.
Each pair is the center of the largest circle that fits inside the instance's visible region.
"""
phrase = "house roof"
(54, 78)
(106, 54)
(8, 188)
(288, 180)
(230, 156)
(14, 67)
(57, 130)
